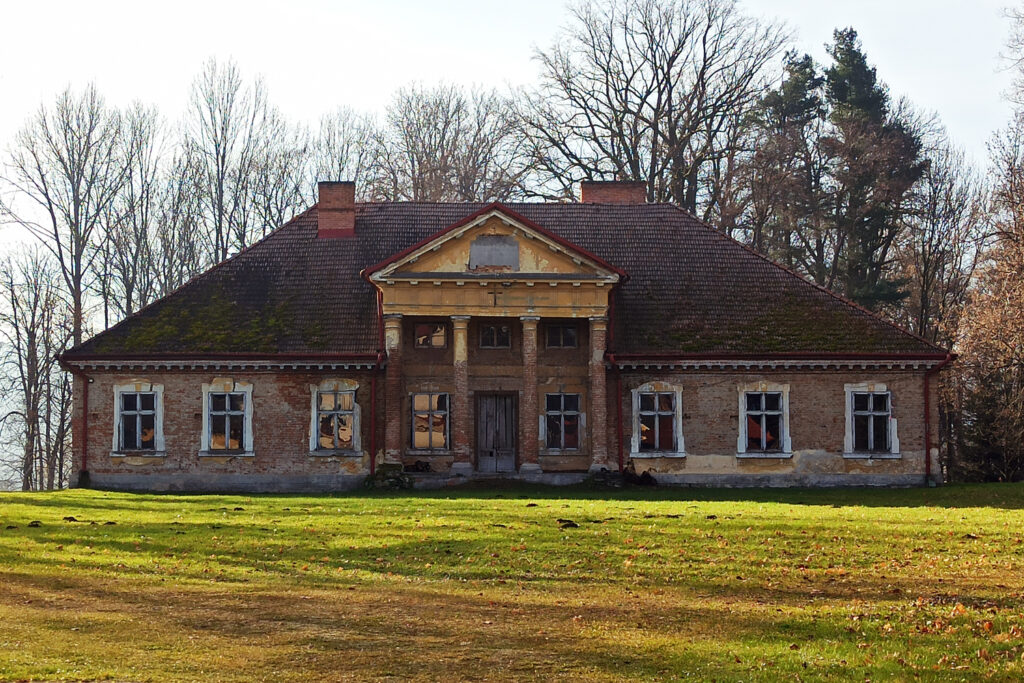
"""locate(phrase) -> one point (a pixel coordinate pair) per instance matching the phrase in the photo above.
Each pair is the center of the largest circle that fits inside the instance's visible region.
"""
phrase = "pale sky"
(315, 56)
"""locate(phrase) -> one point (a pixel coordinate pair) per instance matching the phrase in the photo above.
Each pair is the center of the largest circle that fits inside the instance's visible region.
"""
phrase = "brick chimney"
(336, 210)
(613, 192)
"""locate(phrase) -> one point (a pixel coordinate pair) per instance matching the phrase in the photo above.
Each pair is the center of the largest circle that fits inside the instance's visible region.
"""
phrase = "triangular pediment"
(495, 243)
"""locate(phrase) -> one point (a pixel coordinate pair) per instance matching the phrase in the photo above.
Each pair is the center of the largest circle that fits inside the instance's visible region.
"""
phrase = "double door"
(496, 433)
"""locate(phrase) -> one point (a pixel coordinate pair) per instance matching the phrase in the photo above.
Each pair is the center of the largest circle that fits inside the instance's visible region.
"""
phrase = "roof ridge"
(802, 278)
(188, 283)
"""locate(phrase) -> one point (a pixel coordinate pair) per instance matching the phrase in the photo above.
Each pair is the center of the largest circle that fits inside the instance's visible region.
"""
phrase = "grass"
(487, 584)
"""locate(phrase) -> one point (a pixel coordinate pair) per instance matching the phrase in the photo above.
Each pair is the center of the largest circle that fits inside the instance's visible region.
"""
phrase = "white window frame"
(848, 439)
(658, 388)
(227, 385)
(581, 423)
(787, 436)
(132, 387)
(332, 385)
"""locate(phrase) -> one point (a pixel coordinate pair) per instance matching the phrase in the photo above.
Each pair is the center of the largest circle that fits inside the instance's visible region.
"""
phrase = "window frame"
(849, 438)
(581, 421)
(430, 412)
(786, 450)
(677, 422)
(335, 386)
(484, 326)
(561, 326)
(444, 328)
(139, 386)
(228, 386)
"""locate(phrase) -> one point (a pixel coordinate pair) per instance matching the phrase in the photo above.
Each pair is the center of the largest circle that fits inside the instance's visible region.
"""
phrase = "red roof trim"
(496, 206)
(781, 355)
(157, 357)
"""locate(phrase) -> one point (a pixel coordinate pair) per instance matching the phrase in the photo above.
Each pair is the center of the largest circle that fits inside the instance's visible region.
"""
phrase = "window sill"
(872, 456)
(226, 454)
(657, 454)
(764, 456)
(335, 454)
(138, 454)
(428, 454)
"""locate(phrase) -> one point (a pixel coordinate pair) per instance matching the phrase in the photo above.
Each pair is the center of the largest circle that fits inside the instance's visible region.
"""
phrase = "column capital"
(392, 316)
(598, 318)
(529, 318)
(463, 319)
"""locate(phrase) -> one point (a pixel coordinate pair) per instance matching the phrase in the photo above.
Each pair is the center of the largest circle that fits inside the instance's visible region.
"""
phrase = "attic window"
(494, 251)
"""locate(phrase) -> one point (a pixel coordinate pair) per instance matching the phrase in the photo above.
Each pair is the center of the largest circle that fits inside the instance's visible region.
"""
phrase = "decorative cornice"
(221, 364)
(774, 364)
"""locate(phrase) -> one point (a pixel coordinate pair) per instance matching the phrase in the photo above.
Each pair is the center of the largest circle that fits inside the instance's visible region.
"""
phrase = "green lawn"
(487, 584)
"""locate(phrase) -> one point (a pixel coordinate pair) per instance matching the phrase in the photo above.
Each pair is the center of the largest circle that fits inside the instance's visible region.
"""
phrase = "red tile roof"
(691, 290)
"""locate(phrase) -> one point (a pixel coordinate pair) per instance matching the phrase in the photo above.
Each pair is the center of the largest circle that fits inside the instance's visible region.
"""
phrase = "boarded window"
(494, 251)
(336, 419)
(429, 422)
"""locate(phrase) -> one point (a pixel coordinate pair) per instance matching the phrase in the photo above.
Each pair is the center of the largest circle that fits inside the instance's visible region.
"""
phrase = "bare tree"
(66, 162)
(225, 129)
(442, 144)
(645, 90)
(33, 331)
(178, 251)
(343, 148)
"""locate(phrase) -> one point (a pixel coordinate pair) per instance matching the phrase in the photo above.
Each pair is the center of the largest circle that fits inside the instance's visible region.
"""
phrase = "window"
(561, 336)
(657, 421)
(429, 422)
(227, 418)
(335, 417)
(430, 336)
(227, 421)
(764, 421)
(138, 419)
(870, 426)
(495, 337)
(562, 422)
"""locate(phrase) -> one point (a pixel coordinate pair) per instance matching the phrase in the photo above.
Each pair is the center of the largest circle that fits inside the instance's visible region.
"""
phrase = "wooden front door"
(496, 433)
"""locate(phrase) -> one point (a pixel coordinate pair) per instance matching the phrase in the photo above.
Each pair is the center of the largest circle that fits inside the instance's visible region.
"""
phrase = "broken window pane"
(773, 401)
(754, 433)
(218, 402)
(665, 403)
(647, 433)
(753, 401)
(861, 401)
(880, 402)
(346, 400)
(237, 402)
(326, 431)
(430, 335)
(344, 431)
(147, 435)
(553, 402)
(128, 401)
(147, 401)
(647, 402)
(572, 403)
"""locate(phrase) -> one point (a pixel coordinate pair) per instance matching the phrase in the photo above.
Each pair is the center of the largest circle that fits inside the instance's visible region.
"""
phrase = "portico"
(497, 307)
